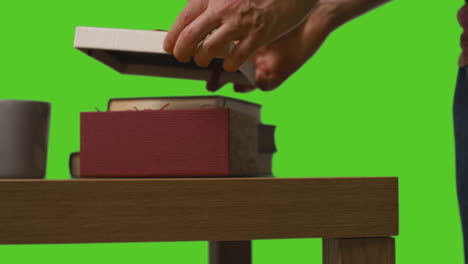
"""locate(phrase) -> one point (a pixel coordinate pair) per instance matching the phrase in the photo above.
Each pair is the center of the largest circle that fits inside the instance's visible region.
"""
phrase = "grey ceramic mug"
(24, 135)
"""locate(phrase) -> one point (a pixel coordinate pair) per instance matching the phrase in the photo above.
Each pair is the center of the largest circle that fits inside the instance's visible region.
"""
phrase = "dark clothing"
(460, 117)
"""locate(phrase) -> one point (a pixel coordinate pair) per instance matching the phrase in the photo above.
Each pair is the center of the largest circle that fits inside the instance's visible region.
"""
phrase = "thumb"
(239, 88)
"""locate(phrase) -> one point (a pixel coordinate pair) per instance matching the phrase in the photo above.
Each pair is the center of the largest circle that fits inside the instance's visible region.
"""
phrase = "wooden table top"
(141, 210)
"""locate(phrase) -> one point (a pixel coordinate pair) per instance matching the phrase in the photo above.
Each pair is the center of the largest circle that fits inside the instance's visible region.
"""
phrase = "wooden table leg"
(230, 252)
(359, 251)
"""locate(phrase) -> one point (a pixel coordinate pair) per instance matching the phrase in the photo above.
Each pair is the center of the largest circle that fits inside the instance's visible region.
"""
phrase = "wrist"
(324, 18)
(317, 27)
(334, 13)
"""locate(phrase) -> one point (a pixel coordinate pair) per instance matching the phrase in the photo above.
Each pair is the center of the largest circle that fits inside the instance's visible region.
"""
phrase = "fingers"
(191, 11)
(240, 54)
(269, 82)
(215, 45)
(193, 34)
(239, 88)
(214, 83)
(213, 87)
(265, 86)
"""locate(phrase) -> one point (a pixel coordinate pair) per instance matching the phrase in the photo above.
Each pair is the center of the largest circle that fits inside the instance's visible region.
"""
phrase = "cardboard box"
(141, 52)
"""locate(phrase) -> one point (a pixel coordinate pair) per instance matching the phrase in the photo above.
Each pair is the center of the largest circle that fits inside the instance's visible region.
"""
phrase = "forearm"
(326, 17)
(338, 12)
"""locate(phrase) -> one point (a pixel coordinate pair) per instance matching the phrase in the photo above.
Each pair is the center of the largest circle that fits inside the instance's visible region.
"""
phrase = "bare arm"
(327, 16)
(338, 12)
(279, 36)
(278, 60)
(205, 27)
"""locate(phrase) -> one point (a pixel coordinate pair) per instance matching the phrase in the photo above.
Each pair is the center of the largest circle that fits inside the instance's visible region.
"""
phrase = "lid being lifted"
(141, 52)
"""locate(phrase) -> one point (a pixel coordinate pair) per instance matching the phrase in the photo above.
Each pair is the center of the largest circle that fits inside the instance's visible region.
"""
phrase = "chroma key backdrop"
(374, 101)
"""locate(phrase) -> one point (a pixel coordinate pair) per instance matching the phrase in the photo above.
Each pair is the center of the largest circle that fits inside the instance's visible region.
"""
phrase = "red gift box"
(161, 143)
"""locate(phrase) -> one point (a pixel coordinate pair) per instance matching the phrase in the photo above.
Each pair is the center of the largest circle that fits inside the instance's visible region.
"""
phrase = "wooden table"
(356, 217)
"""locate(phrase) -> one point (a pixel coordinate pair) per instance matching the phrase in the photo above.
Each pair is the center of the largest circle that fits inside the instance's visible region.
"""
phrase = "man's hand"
(206, 27)
(278, 60)
(279, 36)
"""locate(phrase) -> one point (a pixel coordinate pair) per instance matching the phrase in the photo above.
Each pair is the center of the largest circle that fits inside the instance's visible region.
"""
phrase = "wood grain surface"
(359, 251)
(212, 209)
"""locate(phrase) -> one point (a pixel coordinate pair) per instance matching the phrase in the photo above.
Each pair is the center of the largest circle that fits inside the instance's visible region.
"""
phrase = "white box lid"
(141, 52)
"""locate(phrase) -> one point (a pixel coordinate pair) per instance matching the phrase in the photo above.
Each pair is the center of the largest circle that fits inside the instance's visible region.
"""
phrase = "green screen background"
(374, 101)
